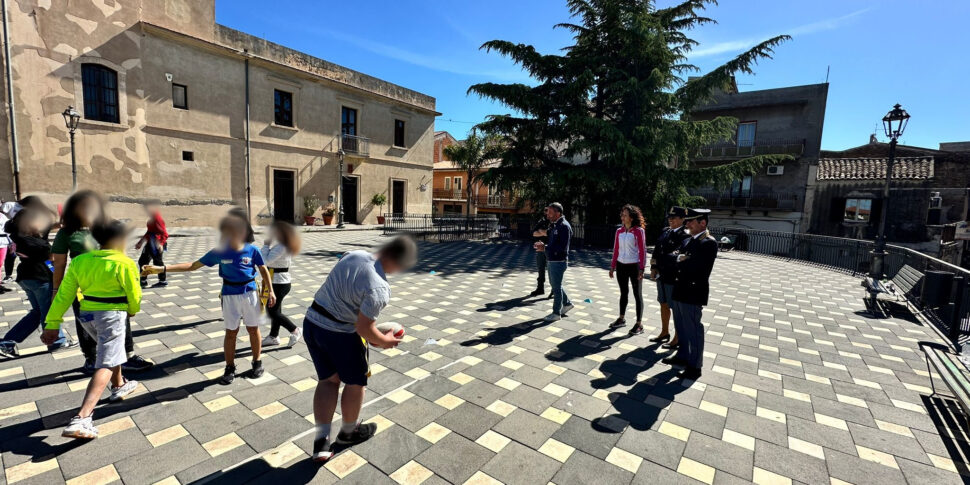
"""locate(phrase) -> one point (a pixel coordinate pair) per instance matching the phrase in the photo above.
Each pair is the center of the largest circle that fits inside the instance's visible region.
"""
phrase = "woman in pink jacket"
(629, 259)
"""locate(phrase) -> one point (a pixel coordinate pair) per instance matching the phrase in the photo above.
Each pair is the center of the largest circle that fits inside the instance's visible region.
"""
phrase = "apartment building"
(178, 108)
(450, 188)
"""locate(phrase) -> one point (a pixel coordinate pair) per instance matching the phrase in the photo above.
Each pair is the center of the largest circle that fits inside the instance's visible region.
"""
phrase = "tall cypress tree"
(606, 122)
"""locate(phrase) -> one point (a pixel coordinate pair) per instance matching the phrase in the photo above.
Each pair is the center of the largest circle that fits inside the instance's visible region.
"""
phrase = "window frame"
(191, 156)
(457, 183)
(345, 123)
(754, 133)
(281, 111)
(400, 133)
(185, 96)
(854, 217)
(98, 108)
(447, 183)
(739, 191)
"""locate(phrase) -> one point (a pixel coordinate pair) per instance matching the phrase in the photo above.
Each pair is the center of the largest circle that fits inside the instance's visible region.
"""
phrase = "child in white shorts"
(239, 262)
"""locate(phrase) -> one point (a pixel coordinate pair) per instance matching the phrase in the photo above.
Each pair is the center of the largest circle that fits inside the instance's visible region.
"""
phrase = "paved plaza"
(799, 386)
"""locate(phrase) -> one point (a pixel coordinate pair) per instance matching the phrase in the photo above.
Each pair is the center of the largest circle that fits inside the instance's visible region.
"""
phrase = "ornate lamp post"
(340, 189)
(894, 123)
(71, 119)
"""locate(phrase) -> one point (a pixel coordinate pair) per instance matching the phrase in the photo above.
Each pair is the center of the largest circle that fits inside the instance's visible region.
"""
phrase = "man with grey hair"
(339, 324)
(557, 255)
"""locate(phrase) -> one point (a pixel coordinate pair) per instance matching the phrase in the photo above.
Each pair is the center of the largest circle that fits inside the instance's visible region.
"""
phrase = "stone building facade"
(785, 121)
(202, 117)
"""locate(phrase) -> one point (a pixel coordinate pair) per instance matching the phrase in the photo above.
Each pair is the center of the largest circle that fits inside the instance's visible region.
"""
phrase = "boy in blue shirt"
(239, 262)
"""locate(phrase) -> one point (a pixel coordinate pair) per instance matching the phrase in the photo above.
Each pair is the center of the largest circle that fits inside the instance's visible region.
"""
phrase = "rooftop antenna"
(827, 69)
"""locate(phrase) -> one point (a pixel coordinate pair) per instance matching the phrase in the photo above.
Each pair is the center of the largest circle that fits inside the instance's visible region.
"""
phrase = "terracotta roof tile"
(904, 168)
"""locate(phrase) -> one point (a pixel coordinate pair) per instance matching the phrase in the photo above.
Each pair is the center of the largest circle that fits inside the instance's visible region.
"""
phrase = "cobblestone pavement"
(799, 386)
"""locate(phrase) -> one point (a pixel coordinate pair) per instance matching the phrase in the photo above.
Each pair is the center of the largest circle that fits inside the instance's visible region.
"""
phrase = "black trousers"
(628, 275)
(151, 251)
(275, 312)
(9, 262)
(89, 346)
(541, 266)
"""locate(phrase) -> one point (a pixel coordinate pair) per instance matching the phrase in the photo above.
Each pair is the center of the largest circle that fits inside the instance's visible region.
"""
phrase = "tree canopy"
(606, 121)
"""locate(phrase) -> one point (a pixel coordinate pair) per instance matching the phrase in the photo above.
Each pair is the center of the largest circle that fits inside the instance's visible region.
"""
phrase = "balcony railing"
(724, 150)
(449, 194)
(780, 201)
(496, 201)
(355, 145)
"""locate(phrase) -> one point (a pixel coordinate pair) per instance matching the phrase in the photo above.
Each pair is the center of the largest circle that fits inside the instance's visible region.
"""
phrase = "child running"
(278, 258)
(239, 262)
(154, 243)
(108, 281)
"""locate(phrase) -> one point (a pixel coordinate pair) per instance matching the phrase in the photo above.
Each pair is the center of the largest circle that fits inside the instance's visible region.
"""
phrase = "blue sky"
(880, 52)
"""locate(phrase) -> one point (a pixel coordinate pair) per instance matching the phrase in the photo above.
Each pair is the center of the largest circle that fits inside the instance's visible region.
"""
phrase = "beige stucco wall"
(141, 157)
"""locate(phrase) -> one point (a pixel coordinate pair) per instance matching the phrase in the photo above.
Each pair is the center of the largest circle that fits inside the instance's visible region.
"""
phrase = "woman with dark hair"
(277, 258)
(629, 260)
(84, 210)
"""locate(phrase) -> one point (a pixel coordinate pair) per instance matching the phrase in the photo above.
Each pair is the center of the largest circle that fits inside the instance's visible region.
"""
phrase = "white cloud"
(742, 44)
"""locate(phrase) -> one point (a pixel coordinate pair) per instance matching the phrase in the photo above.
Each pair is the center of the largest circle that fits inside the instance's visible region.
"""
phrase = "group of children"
(104, 287)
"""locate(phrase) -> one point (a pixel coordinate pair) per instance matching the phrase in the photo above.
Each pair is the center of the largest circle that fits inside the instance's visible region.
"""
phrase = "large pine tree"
(606, 121)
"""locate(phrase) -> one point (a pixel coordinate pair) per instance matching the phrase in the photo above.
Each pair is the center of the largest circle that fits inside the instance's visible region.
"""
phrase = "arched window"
(100, 93)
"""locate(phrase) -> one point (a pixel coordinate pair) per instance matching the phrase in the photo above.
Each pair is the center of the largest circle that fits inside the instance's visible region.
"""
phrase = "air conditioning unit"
(776, 169)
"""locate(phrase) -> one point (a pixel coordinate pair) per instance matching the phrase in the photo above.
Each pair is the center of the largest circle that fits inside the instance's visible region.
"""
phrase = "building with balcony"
(784, 121)
(202, 117)
(450, 195)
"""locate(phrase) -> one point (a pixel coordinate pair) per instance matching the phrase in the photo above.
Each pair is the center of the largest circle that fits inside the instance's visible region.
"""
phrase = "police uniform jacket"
(691, 284)
(662, 259)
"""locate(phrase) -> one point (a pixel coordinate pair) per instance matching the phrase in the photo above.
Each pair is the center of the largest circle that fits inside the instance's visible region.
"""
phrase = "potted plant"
(310, 205)
(328, 212)
(379, 200)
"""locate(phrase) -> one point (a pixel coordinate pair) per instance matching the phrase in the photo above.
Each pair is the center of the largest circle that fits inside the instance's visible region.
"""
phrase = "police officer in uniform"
(539, 231)
(663, 264)
(695, 260)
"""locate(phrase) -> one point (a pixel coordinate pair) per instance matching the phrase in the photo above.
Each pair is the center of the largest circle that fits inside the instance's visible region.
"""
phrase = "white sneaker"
(119, 393)
(552, 317)
(79, 427)
(566, 308)
(295, 337)
(270, 341)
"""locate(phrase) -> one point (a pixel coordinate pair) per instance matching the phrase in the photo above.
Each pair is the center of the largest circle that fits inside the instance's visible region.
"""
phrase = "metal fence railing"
(443, 228)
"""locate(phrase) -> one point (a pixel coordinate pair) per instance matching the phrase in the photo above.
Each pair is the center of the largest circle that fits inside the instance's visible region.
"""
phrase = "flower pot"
(309, 220)
(380, 219)
(327, 219)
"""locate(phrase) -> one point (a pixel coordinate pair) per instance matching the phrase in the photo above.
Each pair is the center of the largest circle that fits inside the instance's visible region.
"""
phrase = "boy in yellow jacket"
(109, 284)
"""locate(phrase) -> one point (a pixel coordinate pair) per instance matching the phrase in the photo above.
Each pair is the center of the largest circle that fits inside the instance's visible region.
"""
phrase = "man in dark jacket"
(539, 234)
(663, 268)
(557, 254)
(695, 260)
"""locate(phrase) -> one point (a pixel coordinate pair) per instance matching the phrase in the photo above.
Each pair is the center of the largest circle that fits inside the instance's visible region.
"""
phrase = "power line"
(458, 121)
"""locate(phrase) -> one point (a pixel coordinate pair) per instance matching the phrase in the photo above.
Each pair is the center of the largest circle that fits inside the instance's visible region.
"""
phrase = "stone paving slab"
(799, 385)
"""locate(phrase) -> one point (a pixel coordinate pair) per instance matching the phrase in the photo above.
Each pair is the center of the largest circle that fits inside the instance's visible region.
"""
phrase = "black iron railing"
(495, 201)
(791, 146)
(356, 145)
(442, 228)
(780, 201)
(449, 194)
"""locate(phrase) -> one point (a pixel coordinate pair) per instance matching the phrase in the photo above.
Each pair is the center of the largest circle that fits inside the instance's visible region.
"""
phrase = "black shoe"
(665, 338)
(144, 284)
(636, 330)
(691, 373)
(88, 367)
(9, 349)
(257, 369)
(551, 296)
(360, 434)
(619, 322)
(160, 284)
(228, 376)
(322, 451)
(674, 361)
(670, 346)
(539, 291)
(137, 364)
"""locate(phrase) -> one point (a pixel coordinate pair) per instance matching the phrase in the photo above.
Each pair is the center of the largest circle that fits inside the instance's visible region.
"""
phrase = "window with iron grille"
(399, 133)
(284, 108)
(100, 85)
(180, 96)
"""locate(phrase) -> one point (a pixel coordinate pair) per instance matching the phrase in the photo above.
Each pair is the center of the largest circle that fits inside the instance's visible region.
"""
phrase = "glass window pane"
(746, 134)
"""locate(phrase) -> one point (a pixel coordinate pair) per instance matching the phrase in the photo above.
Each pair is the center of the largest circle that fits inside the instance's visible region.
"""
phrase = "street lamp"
(71, 119)
(340, 187)
(894, 123)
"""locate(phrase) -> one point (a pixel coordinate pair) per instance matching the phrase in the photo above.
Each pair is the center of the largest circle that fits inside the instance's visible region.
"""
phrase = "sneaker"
(258, 369)
(144, 284)
(137, 364)
(270, 341)
(636, 330)
(619, 322)
(9, 349)
(67, 344)
(360, 434)
(321, 450)
(88, 367)
(566, 308)
(160, 284)
(552, 317)
(539, 291)
(228, 376)
(119, 393)
(295, 337)
(80, 428)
